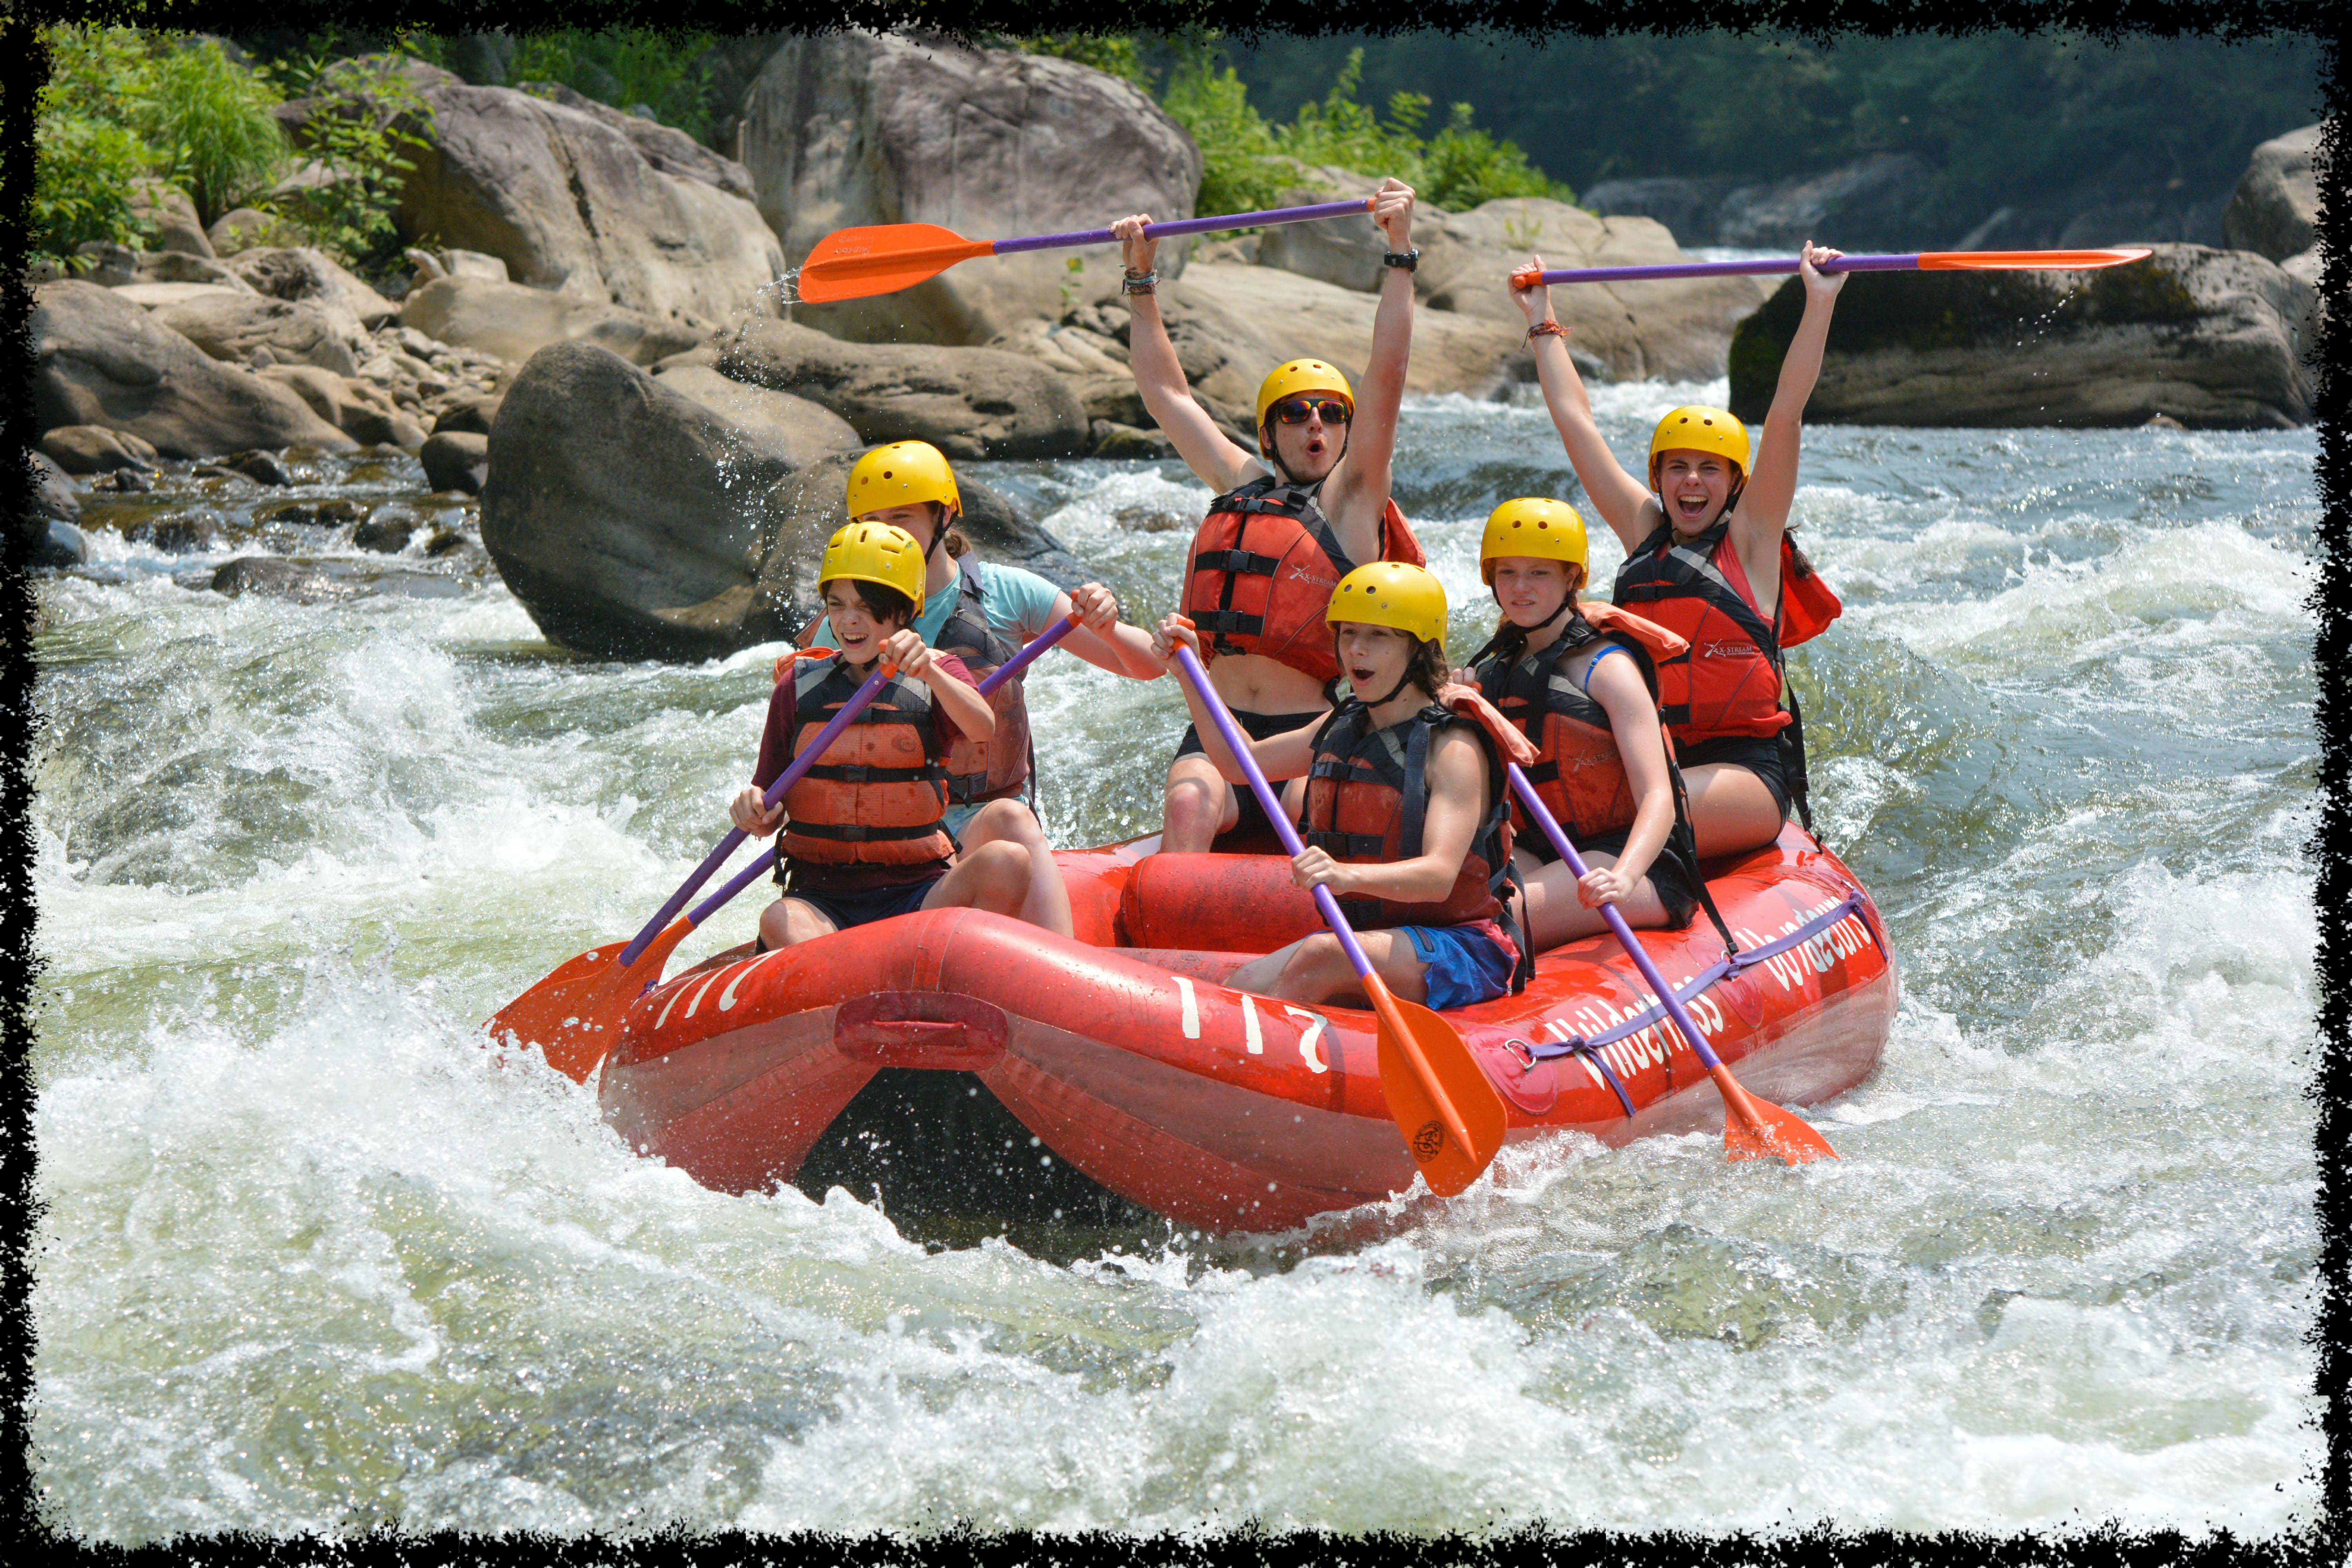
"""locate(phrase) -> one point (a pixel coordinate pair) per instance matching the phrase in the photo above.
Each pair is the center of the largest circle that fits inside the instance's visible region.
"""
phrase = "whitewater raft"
(1121, 1055)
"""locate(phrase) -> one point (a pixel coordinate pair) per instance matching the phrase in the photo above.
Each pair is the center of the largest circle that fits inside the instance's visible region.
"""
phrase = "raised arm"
(1363, 475)
(1214, 458)
(1622, 499)
(1763, 511)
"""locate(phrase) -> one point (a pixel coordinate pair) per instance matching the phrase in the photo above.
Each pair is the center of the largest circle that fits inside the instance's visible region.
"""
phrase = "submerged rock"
(2215, 339)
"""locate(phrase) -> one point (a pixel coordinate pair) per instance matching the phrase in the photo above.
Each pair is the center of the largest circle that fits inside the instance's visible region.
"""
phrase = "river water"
(311, 1261)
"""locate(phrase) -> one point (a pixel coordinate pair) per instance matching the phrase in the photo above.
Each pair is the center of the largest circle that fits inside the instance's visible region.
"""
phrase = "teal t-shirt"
(1018, 604)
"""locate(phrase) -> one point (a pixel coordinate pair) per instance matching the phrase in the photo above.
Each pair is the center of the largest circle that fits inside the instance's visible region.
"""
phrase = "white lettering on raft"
(1307, 1052)
(1191, 1008)
(727, 996)
(1817, 954)
(1255, 1041)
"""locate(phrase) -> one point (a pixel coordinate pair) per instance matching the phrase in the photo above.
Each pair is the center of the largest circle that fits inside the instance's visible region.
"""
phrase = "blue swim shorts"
(1465, 963)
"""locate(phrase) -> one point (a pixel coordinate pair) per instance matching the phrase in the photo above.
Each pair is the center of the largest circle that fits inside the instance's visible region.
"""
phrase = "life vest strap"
(860, 772)
(1243, 560)
(1345, 845)
(860, 833)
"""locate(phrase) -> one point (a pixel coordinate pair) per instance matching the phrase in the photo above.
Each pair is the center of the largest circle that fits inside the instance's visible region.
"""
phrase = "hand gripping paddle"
(1752, 1128)
(1452, 1118)
(857, 263)
(575, 1015)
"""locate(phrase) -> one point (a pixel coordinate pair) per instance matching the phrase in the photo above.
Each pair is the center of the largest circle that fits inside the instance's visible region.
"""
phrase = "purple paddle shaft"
(1183, 225)
(1633, 950)
(1269, 802)
(1763, 267)
(766, 858)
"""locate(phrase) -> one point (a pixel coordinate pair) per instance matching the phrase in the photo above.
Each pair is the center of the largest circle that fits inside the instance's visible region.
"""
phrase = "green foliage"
(368, 118)
(1113, 54)
(210, 120)
(1240, 169)
(86, 161)
(625, 68)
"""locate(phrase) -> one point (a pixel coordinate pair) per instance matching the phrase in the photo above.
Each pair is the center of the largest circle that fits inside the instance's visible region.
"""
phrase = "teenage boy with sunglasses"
(1290, 520)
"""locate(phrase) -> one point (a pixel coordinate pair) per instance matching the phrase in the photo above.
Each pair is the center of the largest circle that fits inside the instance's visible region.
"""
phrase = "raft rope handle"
(1635, 1022)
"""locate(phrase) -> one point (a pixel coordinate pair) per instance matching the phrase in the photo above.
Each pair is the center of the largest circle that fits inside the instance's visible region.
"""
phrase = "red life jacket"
(875, 797)
(1731, 682)
(1367, 796)
(1263, 565)
(1003, 763)
(1578, 773)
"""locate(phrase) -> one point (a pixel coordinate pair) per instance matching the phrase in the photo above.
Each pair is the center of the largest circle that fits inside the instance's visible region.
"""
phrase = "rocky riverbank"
(599, 340)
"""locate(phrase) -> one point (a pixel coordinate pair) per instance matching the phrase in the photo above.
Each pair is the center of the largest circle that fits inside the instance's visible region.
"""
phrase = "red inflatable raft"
(1123, 1055)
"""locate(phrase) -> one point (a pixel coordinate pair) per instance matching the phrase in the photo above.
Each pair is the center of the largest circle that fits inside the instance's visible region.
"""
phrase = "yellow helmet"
(1300, 376)
(904, 473)
(1703, 429)
(876, 552)
(1532, 526)
(1392, 593)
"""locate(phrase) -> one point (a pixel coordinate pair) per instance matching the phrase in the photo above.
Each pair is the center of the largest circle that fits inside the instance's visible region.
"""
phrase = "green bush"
(88, 162)
(625, 68)
(1240, 169)
(368, 118)
(211, 122)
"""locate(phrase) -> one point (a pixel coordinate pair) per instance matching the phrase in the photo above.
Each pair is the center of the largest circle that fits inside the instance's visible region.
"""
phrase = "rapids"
(313, 1259)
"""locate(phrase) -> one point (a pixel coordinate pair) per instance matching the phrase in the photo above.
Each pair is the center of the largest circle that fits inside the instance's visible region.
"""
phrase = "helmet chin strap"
(1403, 680)
(1274, 454)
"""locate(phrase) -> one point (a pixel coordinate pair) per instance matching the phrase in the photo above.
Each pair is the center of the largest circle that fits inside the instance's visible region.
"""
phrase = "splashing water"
(314, 1259)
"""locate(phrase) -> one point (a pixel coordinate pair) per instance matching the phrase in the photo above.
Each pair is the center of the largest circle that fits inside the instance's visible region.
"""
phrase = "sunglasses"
(1296, 410)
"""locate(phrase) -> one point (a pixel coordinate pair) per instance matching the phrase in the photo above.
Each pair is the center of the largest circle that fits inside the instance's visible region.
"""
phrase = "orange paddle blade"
(575, 1015)
(2027, 260)
(1755, 1129)
(1437, 1093)
(857, 263)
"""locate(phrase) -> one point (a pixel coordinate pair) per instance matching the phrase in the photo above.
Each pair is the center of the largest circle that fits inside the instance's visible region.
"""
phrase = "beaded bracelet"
(1140, 283)
(1546, 329)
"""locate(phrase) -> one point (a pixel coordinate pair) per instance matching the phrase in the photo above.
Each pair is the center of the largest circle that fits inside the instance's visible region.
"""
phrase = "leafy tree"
(88, 162)
(367, 118)
(1240, 169)
(211, 122)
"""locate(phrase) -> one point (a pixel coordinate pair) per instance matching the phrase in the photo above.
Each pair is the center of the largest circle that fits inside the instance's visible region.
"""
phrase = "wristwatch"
(1408, 259)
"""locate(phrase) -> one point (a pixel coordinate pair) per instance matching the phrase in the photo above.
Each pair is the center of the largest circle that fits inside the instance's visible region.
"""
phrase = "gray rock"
(360, 409)
(850, 128)
(100, 360)
(2274, 210)
(627, 518)
(2215, 339)
(334, 512)
(1116, 440)
(803, 431)
(456, 263)
(572, 202)
(456, 460)
(278, 578)
(970, 403)
(513, 322)
(1686, 207)
(261, 468)
(2142, 220)
(388, 532)
(1345, 251)
(54, 543)
(177, 228)
(1874, 203)
(312, 276)
(53, 492)
(239, 229)
(232, 326)
(95, 449)
(667, 151)
(475, 413)
(179, 267)
(179, 535)
(110, 265)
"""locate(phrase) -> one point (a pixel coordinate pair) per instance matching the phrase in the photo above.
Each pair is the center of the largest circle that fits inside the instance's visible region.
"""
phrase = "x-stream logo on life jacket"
(1428, 1141)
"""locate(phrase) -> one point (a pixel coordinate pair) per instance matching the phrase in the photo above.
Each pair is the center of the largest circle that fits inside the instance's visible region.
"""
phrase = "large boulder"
(1875, 204)
(968, 401)
(2214, 339)
(314, 277)
(173, 216)
(634, 521)
(1686, 207)
(668, 151)
(1680, 328)
(233, 326)
(851, 128)
(804, 432)
(627, 518)
(95, 449)
(513, 322)
(1251, 319)
(100, 360)
(572, 202)
(2274, 212)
